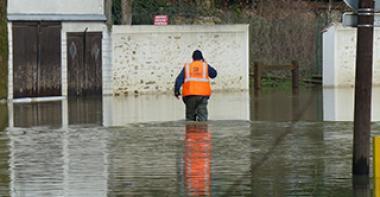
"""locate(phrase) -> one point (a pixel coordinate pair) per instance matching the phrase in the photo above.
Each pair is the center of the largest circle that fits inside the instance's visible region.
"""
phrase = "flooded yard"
(272, 144)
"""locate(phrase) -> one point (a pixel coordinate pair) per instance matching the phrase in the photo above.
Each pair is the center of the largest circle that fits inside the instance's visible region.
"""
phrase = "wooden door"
(24, 59)
(84, 63)
(49, 60)
(75, 63)
(36, 59)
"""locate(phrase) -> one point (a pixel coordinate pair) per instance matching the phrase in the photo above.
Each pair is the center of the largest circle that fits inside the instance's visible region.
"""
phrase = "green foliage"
(116, 12)
(276, 82)
(3, 50)
(283, 84)
(145, 10)
(293, 35)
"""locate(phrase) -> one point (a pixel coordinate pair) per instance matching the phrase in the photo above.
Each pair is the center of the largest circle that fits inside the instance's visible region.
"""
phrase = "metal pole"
(363, 88)
(257, 76)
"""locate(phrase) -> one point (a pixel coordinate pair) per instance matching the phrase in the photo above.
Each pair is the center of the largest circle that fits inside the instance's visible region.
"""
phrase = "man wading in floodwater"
(196, 90)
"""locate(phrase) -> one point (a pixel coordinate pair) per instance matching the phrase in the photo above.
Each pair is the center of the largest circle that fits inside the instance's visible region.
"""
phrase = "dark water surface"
(284, 150)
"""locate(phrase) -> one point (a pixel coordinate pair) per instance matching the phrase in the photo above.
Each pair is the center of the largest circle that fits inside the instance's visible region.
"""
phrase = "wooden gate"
(84, 63)
(36, 59)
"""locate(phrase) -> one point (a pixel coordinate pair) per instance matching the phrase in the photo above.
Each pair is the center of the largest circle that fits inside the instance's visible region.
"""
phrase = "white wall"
(56, 7)
(10, 62)
(148, 58)
(339, 56)
(106, 51)
(328, 57)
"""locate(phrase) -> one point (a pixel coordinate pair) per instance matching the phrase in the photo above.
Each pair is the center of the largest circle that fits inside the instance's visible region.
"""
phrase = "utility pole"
(363, 88)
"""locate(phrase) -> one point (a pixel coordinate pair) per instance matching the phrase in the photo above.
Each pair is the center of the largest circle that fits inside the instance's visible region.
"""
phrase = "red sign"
(161, 20)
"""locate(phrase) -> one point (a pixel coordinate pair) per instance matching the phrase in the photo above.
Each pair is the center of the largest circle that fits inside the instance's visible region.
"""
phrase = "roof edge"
(56, 17)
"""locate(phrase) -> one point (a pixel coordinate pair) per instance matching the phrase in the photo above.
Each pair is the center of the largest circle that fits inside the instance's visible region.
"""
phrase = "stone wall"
(147, 59)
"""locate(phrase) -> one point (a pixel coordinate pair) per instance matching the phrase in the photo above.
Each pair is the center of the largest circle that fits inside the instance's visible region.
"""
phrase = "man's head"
(197, 55)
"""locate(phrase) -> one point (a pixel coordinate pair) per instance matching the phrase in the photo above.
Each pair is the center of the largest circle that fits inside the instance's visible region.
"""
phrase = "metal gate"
(36, 59)
(84, 63)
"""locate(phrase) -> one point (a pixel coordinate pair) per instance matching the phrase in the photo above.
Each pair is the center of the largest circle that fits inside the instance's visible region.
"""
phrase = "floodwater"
(271, 144)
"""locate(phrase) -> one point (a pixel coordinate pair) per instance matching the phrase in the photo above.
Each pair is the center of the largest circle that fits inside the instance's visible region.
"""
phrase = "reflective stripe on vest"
(204, 74)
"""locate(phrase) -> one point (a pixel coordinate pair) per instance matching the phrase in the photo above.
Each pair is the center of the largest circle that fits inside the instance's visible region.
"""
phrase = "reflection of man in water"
(197, 159)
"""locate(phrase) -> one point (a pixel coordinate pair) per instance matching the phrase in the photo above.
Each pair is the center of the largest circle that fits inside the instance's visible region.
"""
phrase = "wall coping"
(121, 29)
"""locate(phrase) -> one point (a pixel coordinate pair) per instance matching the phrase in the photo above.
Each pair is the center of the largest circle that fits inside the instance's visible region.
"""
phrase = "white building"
(59, 48)
(339, 56)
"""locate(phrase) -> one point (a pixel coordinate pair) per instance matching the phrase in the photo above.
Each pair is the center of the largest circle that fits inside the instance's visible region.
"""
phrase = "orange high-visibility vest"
(196, 81)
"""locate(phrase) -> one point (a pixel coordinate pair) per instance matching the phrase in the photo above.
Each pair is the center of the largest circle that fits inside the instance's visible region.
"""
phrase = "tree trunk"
(205, 4)
(108, 13)
(3, 49)
(126, 12)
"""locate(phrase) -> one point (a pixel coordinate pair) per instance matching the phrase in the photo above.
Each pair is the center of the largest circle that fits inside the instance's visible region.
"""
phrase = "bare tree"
(205, 4)
(126, 9)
